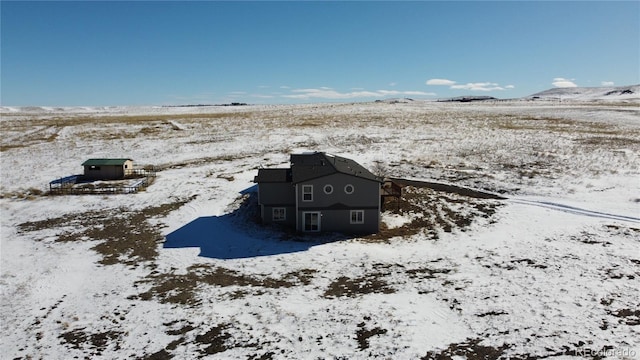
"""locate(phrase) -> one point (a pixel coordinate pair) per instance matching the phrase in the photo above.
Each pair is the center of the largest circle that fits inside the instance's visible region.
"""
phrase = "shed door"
(311, 221)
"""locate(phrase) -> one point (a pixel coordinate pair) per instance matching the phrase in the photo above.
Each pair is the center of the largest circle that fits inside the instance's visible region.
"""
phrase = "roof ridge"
(327, 156)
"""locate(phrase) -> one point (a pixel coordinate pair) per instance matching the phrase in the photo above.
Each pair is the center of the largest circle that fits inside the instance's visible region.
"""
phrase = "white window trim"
(304, 192)
(330, 187)
(349, 192)
(284, 214)
(352, 212)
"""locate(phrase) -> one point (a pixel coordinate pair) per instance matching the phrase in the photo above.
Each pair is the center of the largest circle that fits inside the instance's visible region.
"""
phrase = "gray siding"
(276, 194)
(340, 221)
(335, 208)
(267, 215)
(366, 192)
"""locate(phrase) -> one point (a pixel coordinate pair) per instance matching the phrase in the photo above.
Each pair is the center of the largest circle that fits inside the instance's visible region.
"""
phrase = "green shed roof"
(105, 162)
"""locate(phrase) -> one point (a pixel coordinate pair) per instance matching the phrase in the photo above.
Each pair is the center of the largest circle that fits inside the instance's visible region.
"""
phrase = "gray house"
(107, 169)
(320, 193)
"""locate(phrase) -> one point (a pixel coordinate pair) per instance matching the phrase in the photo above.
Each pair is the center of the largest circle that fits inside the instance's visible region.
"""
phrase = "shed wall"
(108, 172)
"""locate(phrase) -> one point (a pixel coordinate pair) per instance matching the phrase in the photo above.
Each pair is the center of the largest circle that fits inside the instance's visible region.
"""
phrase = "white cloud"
(563, 83)
(444, 82)
(392, 84)
(329, 93)
(483, 86)
(418, 93)
(389, 92)
(401, 93)
(261, 96)
(607, 83)
(326, 93)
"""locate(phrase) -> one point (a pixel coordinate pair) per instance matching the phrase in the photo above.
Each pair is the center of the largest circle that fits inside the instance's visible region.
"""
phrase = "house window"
(279, 214)
(311, 221)
(357, 217)
(348, 189)
(307, 192)
(94, 167)
(328, 189)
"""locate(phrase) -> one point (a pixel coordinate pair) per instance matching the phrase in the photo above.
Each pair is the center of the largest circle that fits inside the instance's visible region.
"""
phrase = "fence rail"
(79, 185)
(146, 171)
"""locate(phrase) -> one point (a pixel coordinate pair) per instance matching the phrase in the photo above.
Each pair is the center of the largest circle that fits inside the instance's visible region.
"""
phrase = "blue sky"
(161, 53)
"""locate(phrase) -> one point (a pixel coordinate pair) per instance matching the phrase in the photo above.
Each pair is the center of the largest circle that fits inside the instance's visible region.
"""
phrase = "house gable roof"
(273, 176)
(105, 162)
(310, 166)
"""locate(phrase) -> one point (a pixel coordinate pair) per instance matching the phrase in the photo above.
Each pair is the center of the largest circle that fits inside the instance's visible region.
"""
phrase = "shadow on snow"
(236, 235)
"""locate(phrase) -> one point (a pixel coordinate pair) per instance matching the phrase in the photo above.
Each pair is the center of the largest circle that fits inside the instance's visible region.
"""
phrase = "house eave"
(379, 180)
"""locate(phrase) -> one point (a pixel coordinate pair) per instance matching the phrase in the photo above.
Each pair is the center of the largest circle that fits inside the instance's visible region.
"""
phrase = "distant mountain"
(469, 98)
(605, 93)
(395, 101)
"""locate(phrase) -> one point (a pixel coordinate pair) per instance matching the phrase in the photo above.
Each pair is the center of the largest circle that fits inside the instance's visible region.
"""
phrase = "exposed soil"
(435, 211)
(125, 236)
(363, 335)
(182, 288)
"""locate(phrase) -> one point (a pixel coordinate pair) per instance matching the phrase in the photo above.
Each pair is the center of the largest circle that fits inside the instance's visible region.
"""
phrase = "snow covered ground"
(180, 270)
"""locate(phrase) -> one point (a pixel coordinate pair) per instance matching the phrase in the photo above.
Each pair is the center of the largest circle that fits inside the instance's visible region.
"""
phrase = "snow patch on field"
(394, 221)
(180, 269)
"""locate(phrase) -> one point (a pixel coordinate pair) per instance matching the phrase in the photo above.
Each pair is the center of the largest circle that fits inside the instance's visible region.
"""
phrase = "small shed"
(107, 169)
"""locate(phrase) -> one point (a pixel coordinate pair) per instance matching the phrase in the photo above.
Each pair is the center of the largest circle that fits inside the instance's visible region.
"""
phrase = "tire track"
(576, 210)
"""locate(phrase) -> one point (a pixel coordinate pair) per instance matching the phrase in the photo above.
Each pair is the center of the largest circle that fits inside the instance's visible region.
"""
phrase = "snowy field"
(181, 270)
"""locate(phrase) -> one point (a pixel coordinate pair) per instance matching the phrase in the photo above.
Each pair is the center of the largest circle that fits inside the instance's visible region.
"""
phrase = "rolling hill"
(605, 93)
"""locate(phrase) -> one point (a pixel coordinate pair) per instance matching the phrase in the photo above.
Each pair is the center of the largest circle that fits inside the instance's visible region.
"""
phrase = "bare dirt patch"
(363, 335)
(351, 287)
(91, 343)
(433, 212)
(426, 273)
(182, 288)
(470, 349)
(473, 349)
(212, 340)
(628, 316)
(125, 236)
(28, 194)
(377, 280)
(611, 141)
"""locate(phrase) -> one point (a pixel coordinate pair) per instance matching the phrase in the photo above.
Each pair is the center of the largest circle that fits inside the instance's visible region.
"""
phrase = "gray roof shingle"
(310, 166)
(273, 176)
